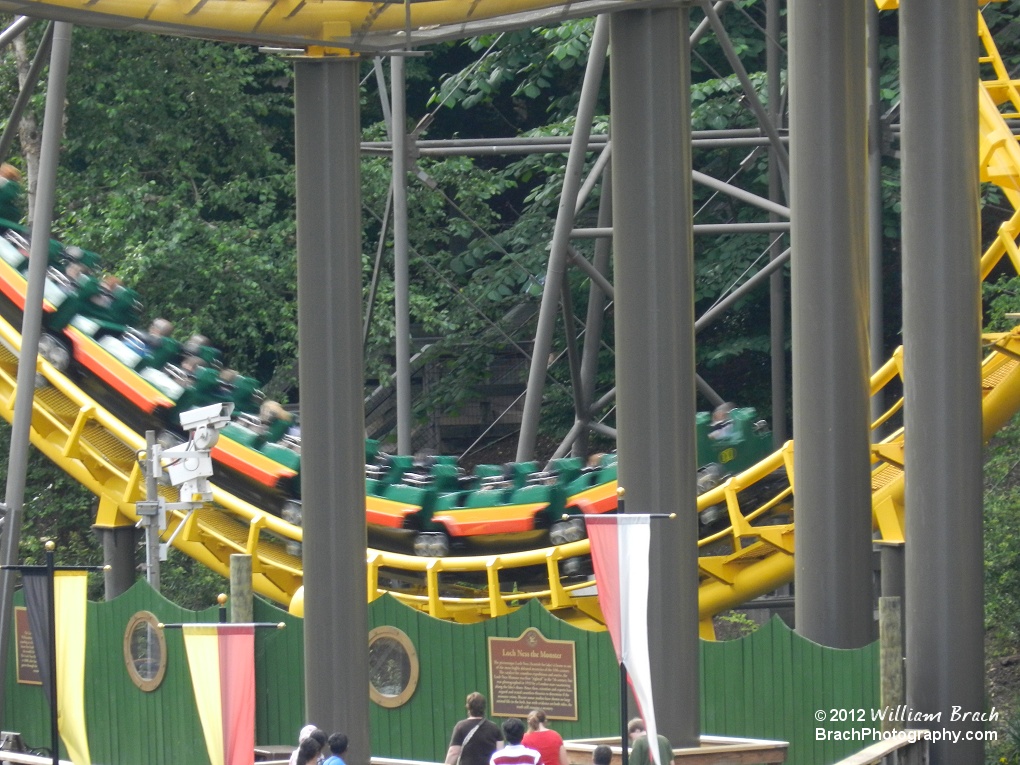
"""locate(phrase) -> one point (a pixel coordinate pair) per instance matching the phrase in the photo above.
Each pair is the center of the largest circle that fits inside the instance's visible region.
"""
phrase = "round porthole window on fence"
(392, 667)
(145, 651)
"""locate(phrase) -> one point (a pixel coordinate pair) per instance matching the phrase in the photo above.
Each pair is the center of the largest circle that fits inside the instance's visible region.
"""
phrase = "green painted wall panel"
(792, 679)
(768, 685)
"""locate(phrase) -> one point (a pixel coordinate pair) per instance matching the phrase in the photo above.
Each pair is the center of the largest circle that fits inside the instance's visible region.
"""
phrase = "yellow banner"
(69, 594)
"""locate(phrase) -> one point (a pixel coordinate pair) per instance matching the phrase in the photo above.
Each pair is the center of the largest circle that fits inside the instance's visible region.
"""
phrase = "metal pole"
(51, 605)
(573, 356)
(563, 142)
(750, 94)
(942, 368)
(19, 25)
(152, 568)
(595, 317)
(699, 228)
(653, 251)
(624, 698)
(31, 327)
(384, 226)
(327, 133)
(777, 283)
(560, 239)
(875, 324)
(706, 320)
(828, 184)
(384, 102)
(709, 317)
(738, 193)
(401, 287)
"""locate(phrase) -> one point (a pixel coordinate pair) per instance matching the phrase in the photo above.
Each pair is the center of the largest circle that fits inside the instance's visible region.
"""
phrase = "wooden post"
(890, 631)
(240, 589)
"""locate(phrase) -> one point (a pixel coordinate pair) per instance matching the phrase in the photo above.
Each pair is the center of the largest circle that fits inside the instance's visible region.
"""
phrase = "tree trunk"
(29, 132)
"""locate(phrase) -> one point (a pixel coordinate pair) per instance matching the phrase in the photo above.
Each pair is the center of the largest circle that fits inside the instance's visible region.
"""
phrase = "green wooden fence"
(768, 685)
(773, 683)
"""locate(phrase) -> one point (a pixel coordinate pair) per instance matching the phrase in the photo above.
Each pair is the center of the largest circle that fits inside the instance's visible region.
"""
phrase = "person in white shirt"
(514, 753)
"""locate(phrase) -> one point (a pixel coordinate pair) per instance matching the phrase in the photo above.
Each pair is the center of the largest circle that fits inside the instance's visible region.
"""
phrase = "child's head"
(602, 755)
(338, 743)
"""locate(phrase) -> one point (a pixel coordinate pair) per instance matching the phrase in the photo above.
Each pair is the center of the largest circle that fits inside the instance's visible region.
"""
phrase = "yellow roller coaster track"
(753, 556)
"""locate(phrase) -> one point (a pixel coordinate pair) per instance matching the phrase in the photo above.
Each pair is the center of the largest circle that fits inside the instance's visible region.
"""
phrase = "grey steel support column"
(828, 184)
(653, 251)
(327, 136)
(875, 325)
(561, 238)
(942, 378)
(777, 284)
(31, 327)
(401, 288)
(119, 546)
(892, 559)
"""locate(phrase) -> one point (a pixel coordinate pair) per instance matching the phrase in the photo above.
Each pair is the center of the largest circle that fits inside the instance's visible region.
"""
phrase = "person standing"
(308, 752)
(476, 738)
(545, 741)
(514, 753)
(318, 739)
(337, 743)
(639, 751)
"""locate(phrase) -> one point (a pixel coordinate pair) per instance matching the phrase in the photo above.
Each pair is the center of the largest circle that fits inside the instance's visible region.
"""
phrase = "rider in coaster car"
(722, 423)
(143, 343)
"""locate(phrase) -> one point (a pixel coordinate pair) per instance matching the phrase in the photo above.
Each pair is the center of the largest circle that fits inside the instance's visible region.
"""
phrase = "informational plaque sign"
(28, 666)
(531, 672)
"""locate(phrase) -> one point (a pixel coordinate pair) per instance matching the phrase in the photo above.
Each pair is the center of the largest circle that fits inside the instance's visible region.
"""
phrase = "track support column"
(653, 248)
(328, 135)
(119, 547)
(942, 373)
(828, 189)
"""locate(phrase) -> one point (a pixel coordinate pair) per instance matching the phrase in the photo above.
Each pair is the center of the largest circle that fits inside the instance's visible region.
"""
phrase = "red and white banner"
(222, 662)
(619, 553)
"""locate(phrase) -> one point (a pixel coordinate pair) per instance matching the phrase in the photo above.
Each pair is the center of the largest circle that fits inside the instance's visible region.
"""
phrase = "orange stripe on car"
(388, 512)
(126, 381)
(251, 463)
(500, 519)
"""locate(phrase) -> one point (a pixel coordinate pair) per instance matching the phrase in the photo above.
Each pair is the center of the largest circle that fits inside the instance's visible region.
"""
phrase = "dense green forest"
(177, 165)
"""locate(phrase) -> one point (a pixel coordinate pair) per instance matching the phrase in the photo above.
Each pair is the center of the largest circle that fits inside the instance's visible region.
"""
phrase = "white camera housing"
(191, 463)
(215, 416)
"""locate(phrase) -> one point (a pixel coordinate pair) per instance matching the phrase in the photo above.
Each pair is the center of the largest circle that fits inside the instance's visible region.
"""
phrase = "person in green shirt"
(639, 752)
(10, 192)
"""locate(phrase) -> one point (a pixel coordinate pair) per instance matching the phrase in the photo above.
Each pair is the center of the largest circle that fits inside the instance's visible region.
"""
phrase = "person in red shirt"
(545, 741)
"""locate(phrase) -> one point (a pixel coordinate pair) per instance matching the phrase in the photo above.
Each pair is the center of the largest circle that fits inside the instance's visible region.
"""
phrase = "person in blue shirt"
(338, 746)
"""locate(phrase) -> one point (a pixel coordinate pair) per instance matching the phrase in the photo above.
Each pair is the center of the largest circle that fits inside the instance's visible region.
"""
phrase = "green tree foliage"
(177, 166)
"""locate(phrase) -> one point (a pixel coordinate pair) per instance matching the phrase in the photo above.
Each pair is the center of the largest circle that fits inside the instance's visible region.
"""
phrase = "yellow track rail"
(753, 556)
